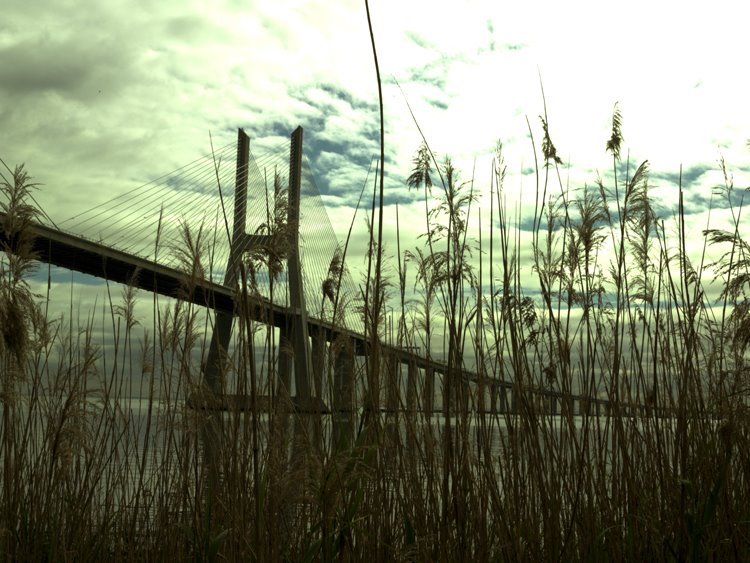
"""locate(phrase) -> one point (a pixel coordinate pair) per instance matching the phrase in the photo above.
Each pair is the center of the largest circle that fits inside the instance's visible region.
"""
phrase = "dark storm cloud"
(43, 64)
(98, 99)
(77, 53)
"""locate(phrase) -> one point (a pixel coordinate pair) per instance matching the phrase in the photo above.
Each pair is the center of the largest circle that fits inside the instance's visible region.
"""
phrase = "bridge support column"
(343, 392)
(318, 360)
(285, 362)
(464, 394)
(568, 405)
(503, 407)
(411, 387)
(428, 391)
(393, 395)
(215, 366)
(392, 403)
(223, 325)
(318, 368)
(299, 336)
(343, 375)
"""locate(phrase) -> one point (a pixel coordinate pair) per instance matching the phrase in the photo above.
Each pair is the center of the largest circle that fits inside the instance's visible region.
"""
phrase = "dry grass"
(83, 478)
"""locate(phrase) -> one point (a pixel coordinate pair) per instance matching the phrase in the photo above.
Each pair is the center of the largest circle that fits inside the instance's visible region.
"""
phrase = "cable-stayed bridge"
(185, 235)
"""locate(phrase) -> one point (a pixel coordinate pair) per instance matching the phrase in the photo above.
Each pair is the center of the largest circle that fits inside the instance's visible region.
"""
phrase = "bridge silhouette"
(124, 240)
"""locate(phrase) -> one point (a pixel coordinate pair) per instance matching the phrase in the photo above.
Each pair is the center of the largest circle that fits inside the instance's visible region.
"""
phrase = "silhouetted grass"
(616, 312)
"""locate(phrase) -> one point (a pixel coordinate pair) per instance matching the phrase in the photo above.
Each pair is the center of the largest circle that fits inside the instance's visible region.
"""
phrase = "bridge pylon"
(294, 335)
(297, 334)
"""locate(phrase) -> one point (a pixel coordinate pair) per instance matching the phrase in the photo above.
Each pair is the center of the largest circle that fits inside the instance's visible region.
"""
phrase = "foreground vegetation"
(617, 311)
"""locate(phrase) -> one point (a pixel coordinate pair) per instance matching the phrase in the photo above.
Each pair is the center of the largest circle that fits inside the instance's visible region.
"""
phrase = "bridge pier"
(215, 367)
(411, 387)
(343, 392)
(343, 375)
(484, 396)
(299, 332)
(463, 395)
(215, 364)
(585, 406)
(393, 369)
(318, 353)
(319, 349)
(428, 391)
(284, 363)
(569, 405)
(503, 407)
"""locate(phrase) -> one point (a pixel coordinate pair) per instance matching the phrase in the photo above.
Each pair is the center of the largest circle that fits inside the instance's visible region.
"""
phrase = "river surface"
(157, 447)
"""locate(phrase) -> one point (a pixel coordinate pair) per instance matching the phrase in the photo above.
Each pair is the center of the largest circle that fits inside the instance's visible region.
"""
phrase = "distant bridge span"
(79, 254)
(54, 246)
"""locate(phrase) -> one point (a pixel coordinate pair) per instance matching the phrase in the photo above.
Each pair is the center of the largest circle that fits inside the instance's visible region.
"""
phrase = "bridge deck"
(82, 255)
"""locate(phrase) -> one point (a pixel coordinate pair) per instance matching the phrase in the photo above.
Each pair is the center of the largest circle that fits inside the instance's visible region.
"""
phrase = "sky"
(97, 98)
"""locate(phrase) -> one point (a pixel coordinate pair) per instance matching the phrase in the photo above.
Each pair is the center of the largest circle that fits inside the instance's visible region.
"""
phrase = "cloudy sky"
(99, 97)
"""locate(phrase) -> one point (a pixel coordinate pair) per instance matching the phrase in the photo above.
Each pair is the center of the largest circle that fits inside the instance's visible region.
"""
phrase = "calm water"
(157, 448)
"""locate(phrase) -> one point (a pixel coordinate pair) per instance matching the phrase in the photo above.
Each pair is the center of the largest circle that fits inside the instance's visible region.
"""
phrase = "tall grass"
(616, 311)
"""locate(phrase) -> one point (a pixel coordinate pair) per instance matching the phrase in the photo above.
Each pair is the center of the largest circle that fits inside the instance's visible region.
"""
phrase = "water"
(150, 456)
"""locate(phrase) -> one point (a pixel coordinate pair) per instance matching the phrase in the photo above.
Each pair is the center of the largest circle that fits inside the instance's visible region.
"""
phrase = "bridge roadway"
(82, 255)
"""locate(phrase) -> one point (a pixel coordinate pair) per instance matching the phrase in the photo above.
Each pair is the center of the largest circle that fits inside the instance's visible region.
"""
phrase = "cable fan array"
(190, 212)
